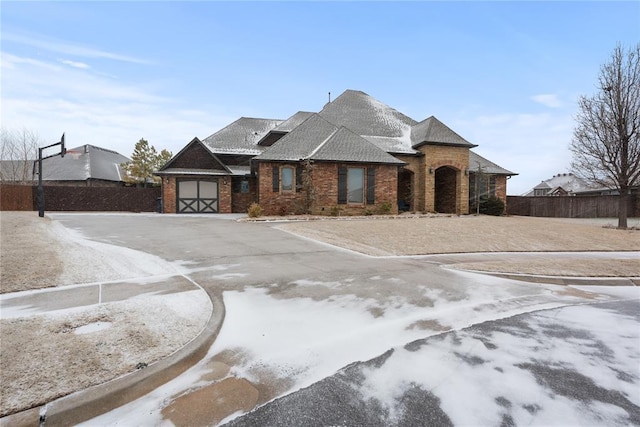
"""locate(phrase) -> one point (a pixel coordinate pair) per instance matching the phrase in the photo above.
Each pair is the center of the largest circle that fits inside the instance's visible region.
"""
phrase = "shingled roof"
(84, 162)
(476, 161)
(433, 131)
(318, 139)
(380, 124)
(241, 136)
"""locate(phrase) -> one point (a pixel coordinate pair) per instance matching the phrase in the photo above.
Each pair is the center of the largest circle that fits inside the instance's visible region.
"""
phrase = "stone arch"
(446, 190)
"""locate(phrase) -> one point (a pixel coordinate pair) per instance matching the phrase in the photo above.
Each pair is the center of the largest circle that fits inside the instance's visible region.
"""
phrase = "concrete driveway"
(301, 313)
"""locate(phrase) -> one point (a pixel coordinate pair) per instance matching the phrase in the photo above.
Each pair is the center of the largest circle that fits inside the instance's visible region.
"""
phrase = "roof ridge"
(326, 139)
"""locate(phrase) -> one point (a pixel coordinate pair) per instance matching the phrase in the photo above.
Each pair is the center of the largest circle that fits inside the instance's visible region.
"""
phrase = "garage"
(197, 196)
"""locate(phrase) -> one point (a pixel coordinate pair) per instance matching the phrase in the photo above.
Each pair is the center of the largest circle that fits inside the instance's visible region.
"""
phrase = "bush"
(492, 206)
(385, 208)
(254, 210)
(335, 211)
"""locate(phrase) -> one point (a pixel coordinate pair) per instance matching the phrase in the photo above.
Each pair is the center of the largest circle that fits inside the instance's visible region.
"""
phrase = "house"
(357, 155)
(86, 165)
(563, 184)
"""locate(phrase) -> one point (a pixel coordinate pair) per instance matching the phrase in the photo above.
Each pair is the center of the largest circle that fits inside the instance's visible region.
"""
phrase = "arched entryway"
(445, 190)
(405, 190)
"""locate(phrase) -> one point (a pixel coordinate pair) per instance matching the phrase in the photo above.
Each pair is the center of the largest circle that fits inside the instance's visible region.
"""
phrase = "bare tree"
(606, 140)
(18, 150)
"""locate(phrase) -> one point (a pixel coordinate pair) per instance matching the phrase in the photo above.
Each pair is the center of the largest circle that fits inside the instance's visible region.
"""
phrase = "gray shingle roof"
(84, 162)
(486, 166)
(241, 136)
(318, 139)
(432, 130)
(293, 121)
(368, 117)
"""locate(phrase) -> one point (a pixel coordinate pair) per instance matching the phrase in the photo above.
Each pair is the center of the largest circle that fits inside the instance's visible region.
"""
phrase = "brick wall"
(169, 194)
(80, 198)
(415, 164)
(224, 195)
(240, 201)
(281, 202)
(324, 196)
(457, 158)
(501, 189)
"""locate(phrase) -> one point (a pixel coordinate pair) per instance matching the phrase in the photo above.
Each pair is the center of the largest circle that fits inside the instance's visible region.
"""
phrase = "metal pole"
(40, 188)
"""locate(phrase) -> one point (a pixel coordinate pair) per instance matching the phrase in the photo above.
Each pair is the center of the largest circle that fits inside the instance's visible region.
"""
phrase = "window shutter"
(298, 178)
(276, 179)
(371, 185)
(342, 185)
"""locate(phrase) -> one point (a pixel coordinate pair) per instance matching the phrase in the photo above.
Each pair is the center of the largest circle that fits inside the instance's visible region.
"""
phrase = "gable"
(195, 156)
(318, 139)
(433, 131)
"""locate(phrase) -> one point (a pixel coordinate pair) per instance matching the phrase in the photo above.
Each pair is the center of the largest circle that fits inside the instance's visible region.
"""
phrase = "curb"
(565, 280)
(89, 403)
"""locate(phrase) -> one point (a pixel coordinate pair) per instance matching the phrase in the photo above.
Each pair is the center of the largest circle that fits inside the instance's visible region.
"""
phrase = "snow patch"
(92, 327)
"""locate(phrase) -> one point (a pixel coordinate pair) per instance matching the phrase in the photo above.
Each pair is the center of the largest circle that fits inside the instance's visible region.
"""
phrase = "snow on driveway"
(302, 340)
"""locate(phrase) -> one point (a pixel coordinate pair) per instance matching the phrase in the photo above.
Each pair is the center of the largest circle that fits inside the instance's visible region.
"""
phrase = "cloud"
(66, 48)
(75, 64)
(548, 100)
(91, 108)
(535, 146)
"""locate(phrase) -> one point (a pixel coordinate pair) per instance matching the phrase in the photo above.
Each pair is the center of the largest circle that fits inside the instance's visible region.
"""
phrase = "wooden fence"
(571, 207)
(63, 198)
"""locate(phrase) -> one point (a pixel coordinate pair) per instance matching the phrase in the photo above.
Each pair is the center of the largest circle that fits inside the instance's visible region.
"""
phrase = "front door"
(197, 196)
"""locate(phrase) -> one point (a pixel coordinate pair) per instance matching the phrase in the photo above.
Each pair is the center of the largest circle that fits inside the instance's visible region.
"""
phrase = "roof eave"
(444, 144)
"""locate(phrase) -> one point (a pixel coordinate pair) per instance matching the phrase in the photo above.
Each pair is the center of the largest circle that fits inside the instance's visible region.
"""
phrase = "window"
(240, 185)
(287, 178)
(355, 185)
(351, 185)
(283, 178)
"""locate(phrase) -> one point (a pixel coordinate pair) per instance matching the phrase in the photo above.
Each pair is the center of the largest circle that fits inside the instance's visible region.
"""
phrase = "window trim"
(281, 170)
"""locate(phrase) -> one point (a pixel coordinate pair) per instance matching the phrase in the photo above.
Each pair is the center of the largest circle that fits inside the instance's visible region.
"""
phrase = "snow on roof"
(293, 121)
(84, 162)
(318, 139)
(432, 130)
(368, 117)
(241, 136)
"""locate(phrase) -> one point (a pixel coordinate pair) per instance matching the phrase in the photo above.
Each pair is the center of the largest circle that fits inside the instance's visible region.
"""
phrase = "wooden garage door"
(197, 196)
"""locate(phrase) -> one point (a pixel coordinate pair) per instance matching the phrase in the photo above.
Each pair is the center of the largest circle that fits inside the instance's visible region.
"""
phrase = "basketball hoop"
(62, 152)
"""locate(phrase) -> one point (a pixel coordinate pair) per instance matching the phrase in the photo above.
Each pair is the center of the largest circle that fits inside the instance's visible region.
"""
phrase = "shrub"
(254, 210)
(335, 211)
(385, 208)
(492, 206)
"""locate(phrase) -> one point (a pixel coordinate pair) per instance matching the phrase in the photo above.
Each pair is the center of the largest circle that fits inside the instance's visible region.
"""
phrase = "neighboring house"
(357, 155)
(563, 184)
(86, 165)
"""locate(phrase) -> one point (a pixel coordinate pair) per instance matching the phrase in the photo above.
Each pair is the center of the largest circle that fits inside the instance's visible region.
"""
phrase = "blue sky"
(504, 75)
